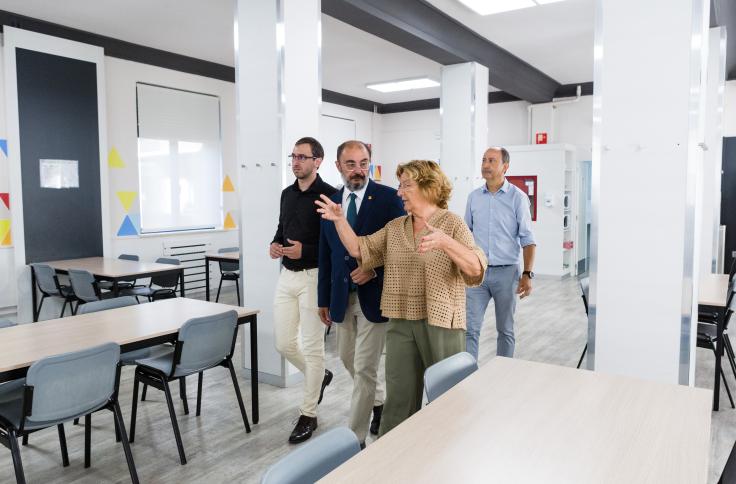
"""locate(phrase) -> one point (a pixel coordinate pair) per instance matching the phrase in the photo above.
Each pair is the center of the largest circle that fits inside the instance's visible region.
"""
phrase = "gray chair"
(58, 389)
(584, 288)
(84, 287)
(229, 271)
(49, 286)
(162, 286)
(314, 460)
(122, 283)
(447, 373)
(202, 343)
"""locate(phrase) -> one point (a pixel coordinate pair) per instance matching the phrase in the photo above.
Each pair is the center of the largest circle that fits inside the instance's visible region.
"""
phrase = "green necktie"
(352, 214)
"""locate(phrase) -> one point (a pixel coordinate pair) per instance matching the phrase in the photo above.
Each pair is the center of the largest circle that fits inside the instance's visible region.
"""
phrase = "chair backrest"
(229, 266)
(728, 476)
(315, 459)
(5, 323)
(45, 278)
(114, 303)
(129, 257)
(585, 288)
(83, 285)
(166, 280)
(447, 373)
(207, 341)
(72, 384)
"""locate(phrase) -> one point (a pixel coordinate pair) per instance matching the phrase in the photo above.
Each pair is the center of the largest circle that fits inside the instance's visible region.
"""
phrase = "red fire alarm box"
(541, 138)
(528, 185)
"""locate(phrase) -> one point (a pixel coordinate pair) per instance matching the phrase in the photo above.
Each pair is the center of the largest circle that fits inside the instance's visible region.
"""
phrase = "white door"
(333, 131)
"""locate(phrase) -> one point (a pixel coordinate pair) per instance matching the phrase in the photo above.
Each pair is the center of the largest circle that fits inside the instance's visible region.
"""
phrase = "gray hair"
(505, 157)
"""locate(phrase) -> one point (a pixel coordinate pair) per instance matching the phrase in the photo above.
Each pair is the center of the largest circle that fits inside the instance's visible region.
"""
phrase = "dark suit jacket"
(380, 205)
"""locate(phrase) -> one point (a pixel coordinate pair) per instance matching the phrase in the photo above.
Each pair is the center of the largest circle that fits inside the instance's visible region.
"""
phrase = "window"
(179, 159)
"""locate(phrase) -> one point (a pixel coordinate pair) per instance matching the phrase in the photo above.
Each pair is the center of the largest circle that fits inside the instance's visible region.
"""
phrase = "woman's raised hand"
(329, 209)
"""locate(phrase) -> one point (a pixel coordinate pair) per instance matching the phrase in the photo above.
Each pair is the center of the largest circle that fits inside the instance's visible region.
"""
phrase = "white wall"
(7, 261)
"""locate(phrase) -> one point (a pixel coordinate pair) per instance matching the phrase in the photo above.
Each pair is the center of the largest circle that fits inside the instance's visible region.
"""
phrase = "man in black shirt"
(295, 301)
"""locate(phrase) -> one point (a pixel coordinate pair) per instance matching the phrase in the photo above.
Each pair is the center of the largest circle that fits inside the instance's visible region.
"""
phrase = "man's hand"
(525, 286)
(324, 315)
(294, 251)
(275, 250)
(360, 277)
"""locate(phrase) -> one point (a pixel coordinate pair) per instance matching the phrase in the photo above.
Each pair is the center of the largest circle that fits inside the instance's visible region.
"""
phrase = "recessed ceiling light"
(489, 7)
(403, 84)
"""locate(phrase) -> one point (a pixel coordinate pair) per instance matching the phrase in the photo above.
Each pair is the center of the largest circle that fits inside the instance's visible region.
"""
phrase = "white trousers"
(295, 309)
(360, 345)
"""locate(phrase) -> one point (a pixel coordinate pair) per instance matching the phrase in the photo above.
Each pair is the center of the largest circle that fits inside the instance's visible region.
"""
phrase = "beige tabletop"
(21, 345)
(233, 256)
(111, 267)
(515, 421)
(713, 290)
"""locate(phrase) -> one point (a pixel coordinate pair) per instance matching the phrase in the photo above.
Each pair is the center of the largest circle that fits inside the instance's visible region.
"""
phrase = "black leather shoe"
(303, 430)
(325, 381)
(362, 446)
(376, 422)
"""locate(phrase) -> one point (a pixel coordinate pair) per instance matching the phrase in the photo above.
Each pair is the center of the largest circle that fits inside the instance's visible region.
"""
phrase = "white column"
(647, 129)
(712, 163)
(464, 113)
(278, 87)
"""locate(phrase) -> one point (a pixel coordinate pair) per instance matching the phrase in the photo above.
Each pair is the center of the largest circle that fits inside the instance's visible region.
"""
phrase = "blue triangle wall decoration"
(4, 146)
(127, 228)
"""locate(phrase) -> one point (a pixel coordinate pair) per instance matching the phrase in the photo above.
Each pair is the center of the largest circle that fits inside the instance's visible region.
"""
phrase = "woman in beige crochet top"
(429, 258)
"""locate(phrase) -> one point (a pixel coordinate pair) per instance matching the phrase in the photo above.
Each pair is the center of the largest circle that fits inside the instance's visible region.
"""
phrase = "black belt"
(504, 265)
(299, 270)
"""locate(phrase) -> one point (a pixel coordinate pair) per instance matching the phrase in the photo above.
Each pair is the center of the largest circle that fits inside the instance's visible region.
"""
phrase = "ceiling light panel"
(489, 7)
(403, 85)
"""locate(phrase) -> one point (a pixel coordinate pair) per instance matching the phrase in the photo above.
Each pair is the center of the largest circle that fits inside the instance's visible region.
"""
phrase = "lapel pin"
(370, 197)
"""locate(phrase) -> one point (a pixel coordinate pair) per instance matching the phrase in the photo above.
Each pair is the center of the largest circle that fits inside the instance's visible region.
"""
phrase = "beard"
(355, 182)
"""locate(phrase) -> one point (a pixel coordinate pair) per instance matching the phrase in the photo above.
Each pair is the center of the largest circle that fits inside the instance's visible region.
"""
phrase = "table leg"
(719, 354)
(34, 296)
(115, 288)
(254, 366)
(207, 278)
(181, 283)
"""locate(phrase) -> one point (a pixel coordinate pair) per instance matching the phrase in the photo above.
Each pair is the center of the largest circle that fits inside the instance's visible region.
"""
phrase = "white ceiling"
(557, 38)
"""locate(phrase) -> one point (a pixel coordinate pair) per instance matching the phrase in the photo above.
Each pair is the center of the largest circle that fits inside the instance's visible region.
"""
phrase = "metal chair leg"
(237, 289)
(728, 390)
(730, 353)
(183, 394)
(217, 298)
(145, 390)
(40, 305)
(583, 355)
(62, 444)
(199, 392)
(63, 309)
(134, 409)
(87, 440)
(20, 477)
(126, 445)
(237, 393)
(25, 439)
(174, 423)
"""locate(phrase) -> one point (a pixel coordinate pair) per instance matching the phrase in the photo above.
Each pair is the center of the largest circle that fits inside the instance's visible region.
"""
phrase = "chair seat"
(164, 362)
(162, 293)
(11, 404)
(132, 357)
(121, 285)
(230, 276)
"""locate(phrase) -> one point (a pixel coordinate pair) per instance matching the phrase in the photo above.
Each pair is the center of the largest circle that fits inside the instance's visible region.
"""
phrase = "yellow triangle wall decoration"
(4, 229)
(126, 198)
(114, 160)
(6, 240)
(229, 222)
(227, 185)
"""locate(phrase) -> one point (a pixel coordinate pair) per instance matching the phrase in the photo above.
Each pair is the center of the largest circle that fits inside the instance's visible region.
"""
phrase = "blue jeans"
(500, 283)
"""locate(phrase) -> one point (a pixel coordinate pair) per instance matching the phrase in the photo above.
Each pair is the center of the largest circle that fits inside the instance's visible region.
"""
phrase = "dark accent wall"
(728, 198)
(57, 114)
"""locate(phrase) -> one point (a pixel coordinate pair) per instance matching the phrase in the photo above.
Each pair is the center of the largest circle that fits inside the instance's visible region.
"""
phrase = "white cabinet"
(556, 224)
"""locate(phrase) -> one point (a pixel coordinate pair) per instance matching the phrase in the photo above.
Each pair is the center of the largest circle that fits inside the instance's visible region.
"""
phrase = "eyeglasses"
(351, 165)
(406, 185)
(294, 156)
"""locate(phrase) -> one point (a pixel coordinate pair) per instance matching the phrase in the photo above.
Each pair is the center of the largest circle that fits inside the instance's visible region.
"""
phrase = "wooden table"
(110, 269)
(131, 327)
(515, 421)
(713, 298)
(216, 257)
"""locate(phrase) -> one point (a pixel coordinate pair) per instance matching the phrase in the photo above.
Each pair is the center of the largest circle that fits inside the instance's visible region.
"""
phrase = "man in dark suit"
(351, 297)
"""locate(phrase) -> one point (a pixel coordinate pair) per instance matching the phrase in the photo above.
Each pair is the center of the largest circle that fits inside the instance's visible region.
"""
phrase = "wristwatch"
(529, 274)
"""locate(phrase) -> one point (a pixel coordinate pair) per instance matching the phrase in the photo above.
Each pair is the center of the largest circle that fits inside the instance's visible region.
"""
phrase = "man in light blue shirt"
(498, 215)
